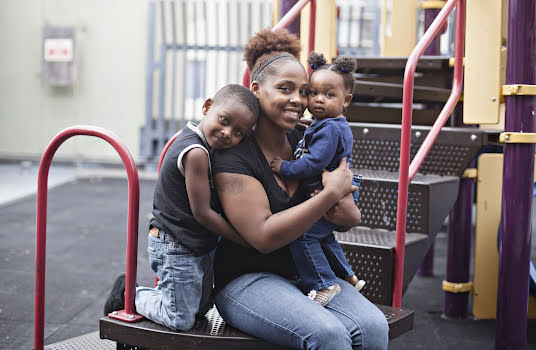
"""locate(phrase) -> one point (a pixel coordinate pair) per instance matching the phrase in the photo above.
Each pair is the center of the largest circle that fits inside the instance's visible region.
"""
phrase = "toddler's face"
(225, 124)
(327, 96)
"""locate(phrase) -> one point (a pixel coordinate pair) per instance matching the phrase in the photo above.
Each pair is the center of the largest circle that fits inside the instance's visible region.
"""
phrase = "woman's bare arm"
(246, 206)
(344, 213)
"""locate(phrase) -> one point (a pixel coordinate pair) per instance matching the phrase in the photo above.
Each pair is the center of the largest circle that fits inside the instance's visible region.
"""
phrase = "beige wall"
(111, 40)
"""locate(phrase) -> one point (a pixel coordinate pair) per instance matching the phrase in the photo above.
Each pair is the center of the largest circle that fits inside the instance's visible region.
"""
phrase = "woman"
(255, 288)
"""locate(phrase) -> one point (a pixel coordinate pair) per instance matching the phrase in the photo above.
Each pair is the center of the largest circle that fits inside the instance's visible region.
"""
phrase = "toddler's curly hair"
(343, 65)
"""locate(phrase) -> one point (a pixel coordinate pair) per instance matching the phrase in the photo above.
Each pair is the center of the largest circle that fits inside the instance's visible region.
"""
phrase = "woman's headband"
(268, 62)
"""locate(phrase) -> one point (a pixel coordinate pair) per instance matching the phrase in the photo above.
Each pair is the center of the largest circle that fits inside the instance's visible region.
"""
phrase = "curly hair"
(267, 45)
(343, 65)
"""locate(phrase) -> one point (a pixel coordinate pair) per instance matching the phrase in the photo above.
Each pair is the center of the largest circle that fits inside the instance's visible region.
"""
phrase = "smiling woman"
(256, 287)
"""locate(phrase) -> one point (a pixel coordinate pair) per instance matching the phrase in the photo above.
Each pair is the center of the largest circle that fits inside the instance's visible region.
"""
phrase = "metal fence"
(195, 47)
(358, 27)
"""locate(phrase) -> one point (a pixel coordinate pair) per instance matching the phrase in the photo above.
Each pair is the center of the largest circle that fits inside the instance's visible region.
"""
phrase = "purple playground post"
(518, 172)
(435, 45)
(286, 5)
(459, 249)
(427, 266)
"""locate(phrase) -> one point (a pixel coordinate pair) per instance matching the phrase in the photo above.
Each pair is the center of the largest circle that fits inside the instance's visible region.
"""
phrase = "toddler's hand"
(275, 164)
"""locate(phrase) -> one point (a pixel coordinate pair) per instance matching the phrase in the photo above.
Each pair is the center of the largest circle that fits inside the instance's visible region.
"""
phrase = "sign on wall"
(58, 60)
(58, 50)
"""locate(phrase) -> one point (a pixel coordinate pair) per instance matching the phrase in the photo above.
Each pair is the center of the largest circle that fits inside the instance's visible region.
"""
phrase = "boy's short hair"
(240, 93)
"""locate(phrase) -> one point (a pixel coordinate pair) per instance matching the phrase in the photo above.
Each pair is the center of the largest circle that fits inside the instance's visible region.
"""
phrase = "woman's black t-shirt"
(233, 260)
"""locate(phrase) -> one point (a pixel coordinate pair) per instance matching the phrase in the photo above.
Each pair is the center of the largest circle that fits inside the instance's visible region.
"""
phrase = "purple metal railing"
(407, 171)
(129, 314)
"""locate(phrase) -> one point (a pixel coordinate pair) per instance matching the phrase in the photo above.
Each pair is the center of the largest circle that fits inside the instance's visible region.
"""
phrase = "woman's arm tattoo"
(231, 184)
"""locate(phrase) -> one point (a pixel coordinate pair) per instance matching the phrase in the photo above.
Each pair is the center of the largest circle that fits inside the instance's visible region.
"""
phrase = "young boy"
(185, 229)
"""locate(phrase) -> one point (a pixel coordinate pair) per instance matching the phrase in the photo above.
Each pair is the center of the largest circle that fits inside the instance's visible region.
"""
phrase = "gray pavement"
(86, 242)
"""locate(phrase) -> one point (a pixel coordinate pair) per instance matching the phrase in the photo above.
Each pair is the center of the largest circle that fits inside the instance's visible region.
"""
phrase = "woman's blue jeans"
(272, 308)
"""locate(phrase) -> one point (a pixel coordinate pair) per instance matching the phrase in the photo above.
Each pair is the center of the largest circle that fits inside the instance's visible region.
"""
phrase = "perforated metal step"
(90, 341)
(430, 199)
(370, 252)
(382, 92)
(377, 147)
(213, 333)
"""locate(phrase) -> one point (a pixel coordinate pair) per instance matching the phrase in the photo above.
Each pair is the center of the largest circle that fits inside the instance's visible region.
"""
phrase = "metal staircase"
(370, 247)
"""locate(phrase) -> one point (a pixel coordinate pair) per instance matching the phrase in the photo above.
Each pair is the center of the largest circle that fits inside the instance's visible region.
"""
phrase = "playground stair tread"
(371, 251)
(430, 198)
(212, 332)
(384, 92)
(377, 147)
(387, 113)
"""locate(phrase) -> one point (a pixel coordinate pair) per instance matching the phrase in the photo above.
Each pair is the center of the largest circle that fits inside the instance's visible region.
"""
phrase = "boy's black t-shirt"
(232, 260)
(171, 206)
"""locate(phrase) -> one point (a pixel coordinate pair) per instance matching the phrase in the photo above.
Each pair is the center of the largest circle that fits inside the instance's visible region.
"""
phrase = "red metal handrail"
(160, 161)
(132, 225)
(285, 21)
(407, 172)
(164, 151)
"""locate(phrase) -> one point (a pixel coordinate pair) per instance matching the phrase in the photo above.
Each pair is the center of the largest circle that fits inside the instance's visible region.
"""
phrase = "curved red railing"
(166, 147)
(160, 161)
(407, 171)
(285, 21)
(129, 314)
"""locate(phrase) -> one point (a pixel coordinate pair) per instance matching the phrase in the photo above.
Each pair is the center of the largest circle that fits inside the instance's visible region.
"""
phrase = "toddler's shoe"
(324, 296)
(356, 282)
(359, 285)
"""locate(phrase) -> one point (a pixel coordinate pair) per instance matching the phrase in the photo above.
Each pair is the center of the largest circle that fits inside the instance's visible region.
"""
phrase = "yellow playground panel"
(325, 29)
(485, 62)
(399, 26)
(488, 214)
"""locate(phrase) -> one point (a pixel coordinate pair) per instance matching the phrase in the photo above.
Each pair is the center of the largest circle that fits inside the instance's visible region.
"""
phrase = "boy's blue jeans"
(272, 308)
(318, 256)
(184, 289)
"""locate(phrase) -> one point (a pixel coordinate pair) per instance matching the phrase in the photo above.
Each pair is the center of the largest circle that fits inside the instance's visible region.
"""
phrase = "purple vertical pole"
(286, 5)
(427, 266)
(434, 48)
(518, 172)
(459, 239)
(459, 249)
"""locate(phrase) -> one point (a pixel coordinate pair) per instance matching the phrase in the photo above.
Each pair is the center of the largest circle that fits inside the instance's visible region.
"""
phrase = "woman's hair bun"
(316, 60)
(345, 64)
(267, 41)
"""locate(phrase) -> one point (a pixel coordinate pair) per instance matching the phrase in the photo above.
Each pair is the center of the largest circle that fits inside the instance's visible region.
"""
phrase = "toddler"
(318, 256)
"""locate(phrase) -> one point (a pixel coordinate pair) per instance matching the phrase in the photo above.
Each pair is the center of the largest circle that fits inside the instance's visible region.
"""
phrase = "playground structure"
(421, 193)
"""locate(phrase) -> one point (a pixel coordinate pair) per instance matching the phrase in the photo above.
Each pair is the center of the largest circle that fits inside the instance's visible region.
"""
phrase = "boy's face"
(226, 123)
(327, 96)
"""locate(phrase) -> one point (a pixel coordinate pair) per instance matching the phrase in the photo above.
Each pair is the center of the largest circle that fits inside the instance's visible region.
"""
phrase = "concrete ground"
(86, 243)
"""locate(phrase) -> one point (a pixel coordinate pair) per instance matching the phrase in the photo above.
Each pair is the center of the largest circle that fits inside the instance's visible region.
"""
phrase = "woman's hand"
(344, 213)
(339, 180)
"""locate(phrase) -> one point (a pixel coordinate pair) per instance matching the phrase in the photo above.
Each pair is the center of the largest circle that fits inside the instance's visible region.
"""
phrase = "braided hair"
(266, 50)
(343, 65)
